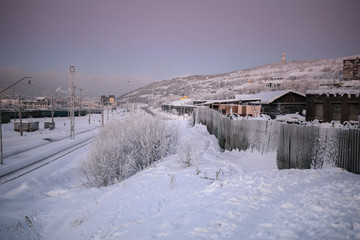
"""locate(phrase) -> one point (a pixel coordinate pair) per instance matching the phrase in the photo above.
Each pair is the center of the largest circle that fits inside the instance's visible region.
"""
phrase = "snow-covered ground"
(225, 195)
(13, 143)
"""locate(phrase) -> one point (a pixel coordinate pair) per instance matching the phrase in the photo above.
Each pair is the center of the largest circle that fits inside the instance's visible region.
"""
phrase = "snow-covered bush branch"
(126, 147)
(187, 154)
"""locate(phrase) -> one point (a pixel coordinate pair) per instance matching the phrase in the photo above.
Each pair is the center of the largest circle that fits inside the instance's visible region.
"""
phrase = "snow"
(225, 195)
(186, 101)
(290, 118)
(266, 97)
(13, 143)
(335, 92)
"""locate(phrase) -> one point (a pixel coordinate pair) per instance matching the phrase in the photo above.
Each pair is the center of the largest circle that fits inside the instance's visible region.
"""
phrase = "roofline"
(273, 99)
(287, 91)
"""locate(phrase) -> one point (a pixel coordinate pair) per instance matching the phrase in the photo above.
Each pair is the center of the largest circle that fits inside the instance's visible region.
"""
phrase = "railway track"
(49, 140)
(27, 168)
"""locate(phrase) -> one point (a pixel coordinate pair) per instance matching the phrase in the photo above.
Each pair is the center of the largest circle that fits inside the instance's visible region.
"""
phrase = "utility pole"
(80, 101)
(52, 110)
(89, 114)
(15, 84)
(72, 102)
(184, 111)
(20, 116)
(1, 148)
(102, 112)
(89, 110)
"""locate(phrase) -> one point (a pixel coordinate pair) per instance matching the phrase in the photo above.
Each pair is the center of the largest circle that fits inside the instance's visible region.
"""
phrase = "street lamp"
(1, 148)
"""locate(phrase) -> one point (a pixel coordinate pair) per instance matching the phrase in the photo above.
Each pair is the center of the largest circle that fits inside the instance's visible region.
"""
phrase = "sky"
(118, 46)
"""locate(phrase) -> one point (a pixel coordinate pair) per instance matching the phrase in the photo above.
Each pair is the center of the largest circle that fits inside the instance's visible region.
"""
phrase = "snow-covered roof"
(334, 92)
(243, 96)
(40, 98)
(266, 97)
(221, 101)
(187, 101)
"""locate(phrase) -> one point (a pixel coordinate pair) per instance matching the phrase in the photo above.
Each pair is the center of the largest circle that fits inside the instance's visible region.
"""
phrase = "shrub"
(187, 152)
(123, 148)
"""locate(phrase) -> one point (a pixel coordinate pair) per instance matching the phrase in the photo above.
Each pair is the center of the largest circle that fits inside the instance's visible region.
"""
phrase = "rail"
(29, 167)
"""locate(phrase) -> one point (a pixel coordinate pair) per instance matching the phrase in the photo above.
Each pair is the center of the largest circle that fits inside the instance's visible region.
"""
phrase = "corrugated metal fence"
(297, 146)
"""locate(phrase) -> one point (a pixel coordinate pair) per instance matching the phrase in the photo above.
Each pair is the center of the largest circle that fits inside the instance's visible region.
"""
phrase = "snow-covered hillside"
(225, 195)
(295, 75)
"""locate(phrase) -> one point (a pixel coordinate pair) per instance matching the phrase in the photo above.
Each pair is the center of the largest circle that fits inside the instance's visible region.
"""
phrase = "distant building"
(351, 69)
(108, 100)
(273, 84)
(8, 102)
(38, 103)
(333, 105)
(283, 58)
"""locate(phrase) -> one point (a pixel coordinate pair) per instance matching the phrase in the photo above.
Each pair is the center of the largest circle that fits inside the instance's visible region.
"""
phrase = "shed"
(241, 107)
(278, 102)
(27, 126)
(333, 105)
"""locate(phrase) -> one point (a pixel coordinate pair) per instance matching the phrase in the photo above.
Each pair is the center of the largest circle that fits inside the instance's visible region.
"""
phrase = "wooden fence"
(297, 146)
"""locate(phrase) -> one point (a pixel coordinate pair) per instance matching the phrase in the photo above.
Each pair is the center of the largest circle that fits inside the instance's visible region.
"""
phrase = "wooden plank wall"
(297, 146)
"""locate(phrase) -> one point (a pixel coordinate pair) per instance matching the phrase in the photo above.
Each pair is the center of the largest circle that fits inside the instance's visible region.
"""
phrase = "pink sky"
(113, 42)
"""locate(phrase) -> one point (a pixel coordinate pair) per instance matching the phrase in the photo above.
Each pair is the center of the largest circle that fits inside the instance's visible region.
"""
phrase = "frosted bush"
(187, 154)
(123, 148)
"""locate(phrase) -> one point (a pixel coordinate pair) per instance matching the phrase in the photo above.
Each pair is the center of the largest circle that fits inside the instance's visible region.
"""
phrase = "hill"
(297, 75)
